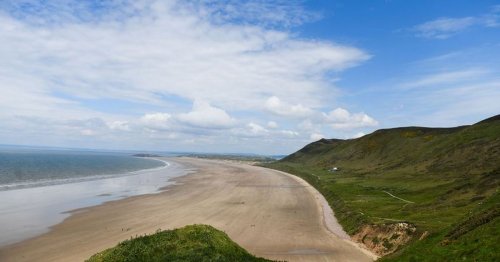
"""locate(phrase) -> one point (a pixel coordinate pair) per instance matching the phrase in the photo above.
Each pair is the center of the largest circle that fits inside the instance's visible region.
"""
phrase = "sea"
(40, 187)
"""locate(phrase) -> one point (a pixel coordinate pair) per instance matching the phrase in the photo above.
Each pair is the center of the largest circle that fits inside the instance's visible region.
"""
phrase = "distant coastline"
(146, 155)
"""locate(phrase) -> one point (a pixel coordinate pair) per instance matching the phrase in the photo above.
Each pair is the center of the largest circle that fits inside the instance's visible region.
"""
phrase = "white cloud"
(257, 129)
(165, 48)
(272, 124)
(316, 136)
(448, 77)
(448, 89)
(87, 132)
(156, 120)
(254, 130)
(308, 125)
(358, 135)
(276, 106)
(445, 27)
(343, 119)
(313, 120)
(290, 133)
(119, 125)
(471, 101)
(206, 116)
(66, 63)
(279, 13)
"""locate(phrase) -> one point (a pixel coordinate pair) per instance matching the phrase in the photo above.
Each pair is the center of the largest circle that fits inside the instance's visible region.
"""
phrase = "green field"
(190, 243)
(444, 181)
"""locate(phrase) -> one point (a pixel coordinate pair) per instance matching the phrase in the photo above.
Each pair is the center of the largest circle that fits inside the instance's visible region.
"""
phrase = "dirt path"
(271, 214)
(404, 200)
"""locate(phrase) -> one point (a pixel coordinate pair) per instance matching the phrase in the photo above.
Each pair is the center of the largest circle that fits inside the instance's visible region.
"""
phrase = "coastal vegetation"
(413, 193)
(146, 155)
(246, 158)
(190, 243)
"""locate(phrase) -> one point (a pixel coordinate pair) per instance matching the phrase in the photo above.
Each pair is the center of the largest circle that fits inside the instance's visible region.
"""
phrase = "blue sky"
(241, 76)
(389, 30)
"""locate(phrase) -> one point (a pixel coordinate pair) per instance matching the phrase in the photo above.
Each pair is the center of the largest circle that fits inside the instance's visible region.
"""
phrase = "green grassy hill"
(190, 243)
(442, 182)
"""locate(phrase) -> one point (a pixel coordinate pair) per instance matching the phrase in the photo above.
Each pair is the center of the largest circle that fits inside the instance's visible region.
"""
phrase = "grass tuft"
(190, 243)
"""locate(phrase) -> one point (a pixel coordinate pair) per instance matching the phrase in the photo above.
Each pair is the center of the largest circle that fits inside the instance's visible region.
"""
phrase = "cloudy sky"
(250, 76)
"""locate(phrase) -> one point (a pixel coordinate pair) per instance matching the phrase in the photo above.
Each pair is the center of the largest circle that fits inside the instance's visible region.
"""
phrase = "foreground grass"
(445, 182)
(190, 243)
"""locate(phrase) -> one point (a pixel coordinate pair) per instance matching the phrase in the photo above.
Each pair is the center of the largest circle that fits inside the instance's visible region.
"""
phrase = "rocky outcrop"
(385, 238)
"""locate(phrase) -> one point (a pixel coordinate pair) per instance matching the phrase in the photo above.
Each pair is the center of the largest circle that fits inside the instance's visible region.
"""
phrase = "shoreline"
(81, 179)
(268, 213)
(52, 204)
(329, 220)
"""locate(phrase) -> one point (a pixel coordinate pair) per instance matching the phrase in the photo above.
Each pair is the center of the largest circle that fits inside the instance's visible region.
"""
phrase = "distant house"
(334, 169)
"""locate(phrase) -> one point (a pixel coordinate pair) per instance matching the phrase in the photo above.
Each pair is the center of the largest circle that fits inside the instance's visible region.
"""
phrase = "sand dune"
(269, 213)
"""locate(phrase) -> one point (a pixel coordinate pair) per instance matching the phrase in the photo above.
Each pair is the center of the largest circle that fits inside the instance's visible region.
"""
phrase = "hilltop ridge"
(433, 181)
(422, 149)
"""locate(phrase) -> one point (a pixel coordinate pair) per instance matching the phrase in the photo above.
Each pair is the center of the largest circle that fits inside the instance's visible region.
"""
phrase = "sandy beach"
(269, 213)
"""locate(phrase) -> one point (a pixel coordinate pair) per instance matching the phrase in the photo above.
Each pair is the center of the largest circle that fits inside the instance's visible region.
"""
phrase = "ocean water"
(21, 168)
(40, 188)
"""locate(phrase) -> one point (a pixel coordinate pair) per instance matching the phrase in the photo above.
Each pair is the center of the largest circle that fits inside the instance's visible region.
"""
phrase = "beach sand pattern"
(271, 214)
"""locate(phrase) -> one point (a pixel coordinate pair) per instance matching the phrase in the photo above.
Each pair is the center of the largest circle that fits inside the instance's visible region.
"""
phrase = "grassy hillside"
(190, 243)
(443, 181)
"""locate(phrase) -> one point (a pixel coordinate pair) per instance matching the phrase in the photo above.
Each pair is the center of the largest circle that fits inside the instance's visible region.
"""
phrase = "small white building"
(334, 169)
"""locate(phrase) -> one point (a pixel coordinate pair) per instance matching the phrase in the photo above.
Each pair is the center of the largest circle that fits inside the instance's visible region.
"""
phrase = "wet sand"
(269, 213)
(29, 212)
